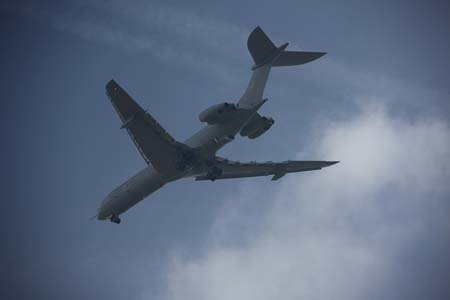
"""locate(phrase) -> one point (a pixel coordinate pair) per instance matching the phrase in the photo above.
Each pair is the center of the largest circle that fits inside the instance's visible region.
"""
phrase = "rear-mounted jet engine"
(217, 113)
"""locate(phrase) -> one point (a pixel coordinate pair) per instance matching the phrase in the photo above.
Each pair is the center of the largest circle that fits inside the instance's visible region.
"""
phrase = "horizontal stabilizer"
(294, 58)
(264, 52)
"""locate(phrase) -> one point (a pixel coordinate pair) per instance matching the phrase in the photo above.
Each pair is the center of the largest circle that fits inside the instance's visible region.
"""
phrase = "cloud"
(366, 228)
(211, 45)
(347, 232)
(161, 30)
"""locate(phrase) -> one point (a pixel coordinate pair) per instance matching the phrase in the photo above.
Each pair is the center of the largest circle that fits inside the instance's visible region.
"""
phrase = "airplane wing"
(233, 169)
(153, 142)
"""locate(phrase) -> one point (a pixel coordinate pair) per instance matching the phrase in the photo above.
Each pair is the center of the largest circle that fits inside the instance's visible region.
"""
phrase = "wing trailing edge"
(226, 169)
(153, 142)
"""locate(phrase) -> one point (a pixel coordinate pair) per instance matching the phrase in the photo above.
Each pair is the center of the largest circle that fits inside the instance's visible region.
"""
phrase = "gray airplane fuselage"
(169, 159)
(207, 141)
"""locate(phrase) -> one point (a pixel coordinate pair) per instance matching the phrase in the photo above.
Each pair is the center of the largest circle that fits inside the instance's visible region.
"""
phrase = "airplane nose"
(103, 211)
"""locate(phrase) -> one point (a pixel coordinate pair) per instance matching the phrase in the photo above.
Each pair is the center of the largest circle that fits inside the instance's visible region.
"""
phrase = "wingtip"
(111, 83)
(317, 55)
(330, 163)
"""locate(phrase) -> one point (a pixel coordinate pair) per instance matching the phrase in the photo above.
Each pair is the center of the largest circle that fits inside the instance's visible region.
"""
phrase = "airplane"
(169, 160)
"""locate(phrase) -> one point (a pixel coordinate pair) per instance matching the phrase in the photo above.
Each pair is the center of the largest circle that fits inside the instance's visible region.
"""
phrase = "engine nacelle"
(257, 127)
(217, 113)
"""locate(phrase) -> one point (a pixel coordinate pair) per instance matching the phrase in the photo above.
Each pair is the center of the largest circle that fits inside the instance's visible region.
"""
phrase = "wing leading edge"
(233, 169)
(154, 143)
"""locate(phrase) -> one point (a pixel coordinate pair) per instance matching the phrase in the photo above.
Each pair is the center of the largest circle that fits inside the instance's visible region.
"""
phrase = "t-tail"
(266, 55)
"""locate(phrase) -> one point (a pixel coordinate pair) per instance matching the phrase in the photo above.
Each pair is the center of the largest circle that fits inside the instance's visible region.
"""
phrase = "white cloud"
(333, 234)
(339, 233)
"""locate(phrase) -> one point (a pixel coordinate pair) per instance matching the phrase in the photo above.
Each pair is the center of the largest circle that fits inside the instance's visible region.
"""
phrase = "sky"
(374, 226)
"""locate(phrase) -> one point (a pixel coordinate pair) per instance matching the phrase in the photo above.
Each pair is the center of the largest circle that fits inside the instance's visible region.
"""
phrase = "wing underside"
(233, 169)
(153, 142)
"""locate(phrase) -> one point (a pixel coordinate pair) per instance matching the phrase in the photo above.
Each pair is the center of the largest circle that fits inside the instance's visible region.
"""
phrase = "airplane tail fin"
(266, 55)
(264, 52)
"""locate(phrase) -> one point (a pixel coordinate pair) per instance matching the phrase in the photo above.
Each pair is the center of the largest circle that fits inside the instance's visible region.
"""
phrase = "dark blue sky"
(386, 76)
